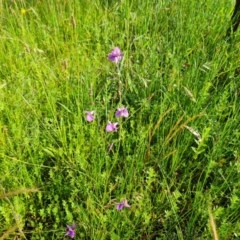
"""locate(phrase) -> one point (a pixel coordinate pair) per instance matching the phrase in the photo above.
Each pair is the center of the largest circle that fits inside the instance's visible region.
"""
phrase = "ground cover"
(119, 120)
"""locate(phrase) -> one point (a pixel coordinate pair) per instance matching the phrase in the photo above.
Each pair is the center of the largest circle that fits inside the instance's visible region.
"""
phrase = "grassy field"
(175, 159)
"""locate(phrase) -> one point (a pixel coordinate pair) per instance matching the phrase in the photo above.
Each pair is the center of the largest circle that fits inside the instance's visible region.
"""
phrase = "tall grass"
(175, 158)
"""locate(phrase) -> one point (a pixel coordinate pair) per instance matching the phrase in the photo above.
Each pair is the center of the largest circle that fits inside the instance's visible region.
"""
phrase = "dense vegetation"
(175, 158)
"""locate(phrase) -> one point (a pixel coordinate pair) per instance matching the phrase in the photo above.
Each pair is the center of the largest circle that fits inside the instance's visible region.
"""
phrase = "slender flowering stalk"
(122, 112)
(90, 116)
(111, 127)
(122, 204)
(71, 231)
(115, 55)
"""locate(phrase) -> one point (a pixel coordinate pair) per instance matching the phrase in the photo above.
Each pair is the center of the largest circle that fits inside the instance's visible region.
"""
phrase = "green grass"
(176, 159)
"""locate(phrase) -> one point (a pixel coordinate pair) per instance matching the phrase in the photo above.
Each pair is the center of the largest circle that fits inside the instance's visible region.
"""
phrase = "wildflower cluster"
(111, 126)
(122, 112)
(115, 56)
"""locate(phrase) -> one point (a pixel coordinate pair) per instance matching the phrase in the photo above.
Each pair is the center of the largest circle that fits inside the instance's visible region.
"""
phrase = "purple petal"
(120, 206)
(118, 113)
(126, 204)
(109, 127)
(125, 113)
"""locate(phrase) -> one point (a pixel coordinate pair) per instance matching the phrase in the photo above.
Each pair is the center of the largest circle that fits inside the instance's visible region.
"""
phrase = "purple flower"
(122, 112)
(90, 116)
(111, 127)
(71, 231)
(115, 55)
(122, 204)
